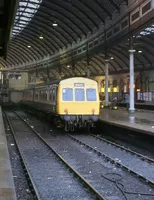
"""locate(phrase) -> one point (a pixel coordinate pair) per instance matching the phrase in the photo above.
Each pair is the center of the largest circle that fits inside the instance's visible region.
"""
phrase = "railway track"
(139, 155)
(126, 159)
(23, 185)
(99, 162)
(29, 178)
(58, 179)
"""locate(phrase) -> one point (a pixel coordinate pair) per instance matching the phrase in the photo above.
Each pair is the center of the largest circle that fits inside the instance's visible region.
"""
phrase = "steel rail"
(99, 153)
(30, 179)
(123, 148)
(82, 179)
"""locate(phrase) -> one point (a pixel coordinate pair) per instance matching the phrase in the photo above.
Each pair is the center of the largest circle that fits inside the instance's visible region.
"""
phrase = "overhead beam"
(10, 7)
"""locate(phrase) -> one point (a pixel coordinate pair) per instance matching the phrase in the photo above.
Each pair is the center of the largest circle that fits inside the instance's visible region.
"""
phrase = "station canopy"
(44, 27)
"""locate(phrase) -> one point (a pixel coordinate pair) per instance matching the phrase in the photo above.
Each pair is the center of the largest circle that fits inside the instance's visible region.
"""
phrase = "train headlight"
(102, 106)
(93, 110)
(66, 110)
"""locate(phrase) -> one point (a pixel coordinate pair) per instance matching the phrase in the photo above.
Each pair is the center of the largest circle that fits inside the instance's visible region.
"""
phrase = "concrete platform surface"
(139, 121)
(145, 103)
(7, 189)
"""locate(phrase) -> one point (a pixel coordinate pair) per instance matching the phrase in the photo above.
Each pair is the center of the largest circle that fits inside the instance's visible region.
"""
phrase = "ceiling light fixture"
(139, 51)
(54, 24)
(29, 46)
(112, 58)
(68, 66)
(41, 37)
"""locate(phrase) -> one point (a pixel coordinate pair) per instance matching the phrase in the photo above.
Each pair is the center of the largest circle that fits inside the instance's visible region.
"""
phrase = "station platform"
(140, 105)
(7, 189)
(139, 121)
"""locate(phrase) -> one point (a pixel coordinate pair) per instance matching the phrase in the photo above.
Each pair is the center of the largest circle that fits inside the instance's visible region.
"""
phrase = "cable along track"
(108, 172)
(52, 177)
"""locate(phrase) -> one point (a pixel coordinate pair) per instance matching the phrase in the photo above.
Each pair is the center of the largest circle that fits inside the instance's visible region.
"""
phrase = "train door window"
(41, 95)
(36, 96)
(50, 97)
(91, 94)
(46, 95)
(54, 94)
(79, 94)
(67, 94)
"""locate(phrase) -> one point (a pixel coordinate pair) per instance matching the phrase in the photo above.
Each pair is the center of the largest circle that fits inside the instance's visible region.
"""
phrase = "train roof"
(56, 82)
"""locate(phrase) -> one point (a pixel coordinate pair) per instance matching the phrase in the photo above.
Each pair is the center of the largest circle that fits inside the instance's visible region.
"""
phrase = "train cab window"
(91, 94)
(67, 94)
(79, 94)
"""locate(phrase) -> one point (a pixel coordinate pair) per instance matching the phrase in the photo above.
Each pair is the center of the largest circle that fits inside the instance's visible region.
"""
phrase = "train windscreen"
(67, 94)
(91, 94)
(79, 94)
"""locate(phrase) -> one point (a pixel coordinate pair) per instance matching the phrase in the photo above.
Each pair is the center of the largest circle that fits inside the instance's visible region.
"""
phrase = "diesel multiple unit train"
(73, 102)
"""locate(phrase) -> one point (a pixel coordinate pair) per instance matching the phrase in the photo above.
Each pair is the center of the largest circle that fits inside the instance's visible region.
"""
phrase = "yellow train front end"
(78, 102)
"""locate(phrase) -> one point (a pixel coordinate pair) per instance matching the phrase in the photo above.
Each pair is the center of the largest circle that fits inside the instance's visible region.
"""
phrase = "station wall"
(119, 84)
(19, 83)
(15, 96)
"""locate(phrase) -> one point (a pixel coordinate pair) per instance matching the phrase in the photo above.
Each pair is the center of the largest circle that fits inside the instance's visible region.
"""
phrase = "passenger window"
(67, 94)
(79, 95)
(36, 96)
(41, 95)
(54, 94)
(45, 96)
(91, 94)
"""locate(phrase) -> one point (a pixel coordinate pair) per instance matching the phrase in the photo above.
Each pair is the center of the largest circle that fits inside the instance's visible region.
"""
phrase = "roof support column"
(106, 82)
(131, 66)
